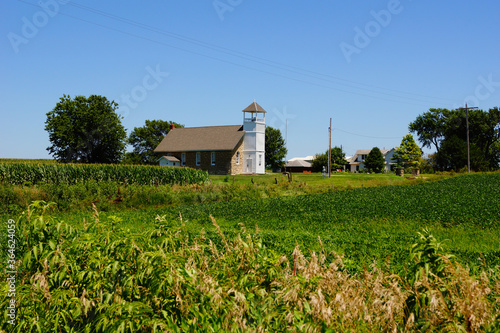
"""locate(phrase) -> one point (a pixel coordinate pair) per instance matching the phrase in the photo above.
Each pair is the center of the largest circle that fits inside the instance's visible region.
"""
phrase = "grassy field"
(365, 259)
(338, 179)
(364, 223)
(112, 195)
(354, 252)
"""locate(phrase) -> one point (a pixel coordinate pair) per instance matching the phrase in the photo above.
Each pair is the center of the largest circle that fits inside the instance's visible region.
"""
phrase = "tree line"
(445, 131)
(89, 130)
(407, 155)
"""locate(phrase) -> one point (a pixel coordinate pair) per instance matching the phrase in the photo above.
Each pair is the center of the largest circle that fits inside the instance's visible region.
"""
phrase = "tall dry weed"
(169, 281)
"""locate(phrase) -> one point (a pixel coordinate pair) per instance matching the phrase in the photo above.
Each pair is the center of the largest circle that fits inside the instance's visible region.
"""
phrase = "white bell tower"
(254, 125)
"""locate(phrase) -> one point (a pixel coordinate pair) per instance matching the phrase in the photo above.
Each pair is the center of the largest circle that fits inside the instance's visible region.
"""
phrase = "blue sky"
(372, 67)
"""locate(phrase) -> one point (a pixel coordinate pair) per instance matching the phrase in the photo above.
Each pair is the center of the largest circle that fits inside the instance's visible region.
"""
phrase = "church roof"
(254, 107)
(209, 138)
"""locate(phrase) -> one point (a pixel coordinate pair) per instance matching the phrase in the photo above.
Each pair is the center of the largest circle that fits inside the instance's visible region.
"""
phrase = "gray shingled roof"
(210, 138)
(299, 163)
(170, 158)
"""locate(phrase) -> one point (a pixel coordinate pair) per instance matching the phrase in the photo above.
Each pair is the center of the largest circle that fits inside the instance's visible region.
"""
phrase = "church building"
(233, 149)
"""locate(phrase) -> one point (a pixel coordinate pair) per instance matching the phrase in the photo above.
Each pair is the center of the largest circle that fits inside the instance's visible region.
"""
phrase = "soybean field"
(364, 224)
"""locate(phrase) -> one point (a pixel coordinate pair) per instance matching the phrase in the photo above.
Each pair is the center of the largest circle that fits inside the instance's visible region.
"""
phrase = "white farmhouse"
(357, 162)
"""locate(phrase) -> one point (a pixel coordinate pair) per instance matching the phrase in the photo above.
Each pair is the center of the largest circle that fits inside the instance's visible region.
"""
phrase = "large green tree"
(446, 131)
(430, 127)
(275, 148)
(145, 139)
(85, 130)
(375, 161)
(338, 160)
(408, 154)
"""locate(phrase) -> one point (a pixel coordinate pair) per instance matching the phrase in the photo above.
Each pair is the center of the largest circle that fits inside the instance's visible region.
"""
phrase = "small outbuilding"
(298, 166)
(170, 161)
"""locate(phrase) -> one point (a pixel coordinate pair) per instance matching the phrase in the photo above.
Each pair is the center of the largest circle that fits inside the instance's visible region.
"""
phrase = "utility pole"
(330, 149)
(286, 137)
(467, 125)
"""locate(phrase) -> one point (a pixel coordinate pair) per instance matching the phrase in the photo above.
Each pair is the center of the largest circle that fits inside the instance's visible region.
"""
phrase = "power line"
(368, 136)
(241, 55)
(246, 56)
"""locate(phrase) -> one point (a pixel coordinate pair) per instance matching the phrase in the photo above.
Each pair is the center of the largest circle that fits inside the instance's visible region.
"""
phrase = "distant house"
(233, 149)
(299, 164)
(357, 162)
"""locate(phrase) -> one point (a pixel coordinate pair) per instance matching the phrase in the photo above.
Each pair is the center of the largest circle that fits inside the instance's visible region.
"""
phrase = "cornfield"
(26, 160)
(70, 174)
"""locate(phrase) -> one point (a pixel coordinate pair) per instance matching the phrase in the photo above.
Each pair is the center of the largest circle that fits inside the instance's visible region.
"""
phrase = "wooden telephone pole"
(467, 125)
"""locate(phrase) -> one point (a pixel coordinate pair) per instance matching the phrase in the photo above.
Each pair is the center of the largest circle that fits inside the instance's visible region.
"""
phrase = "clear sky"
(372, 67)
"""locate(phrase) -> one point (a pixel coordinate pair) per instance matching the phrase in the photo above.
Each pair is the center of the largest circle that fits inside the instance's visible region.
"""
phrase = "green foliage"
(430, 127)
(103, 278)
(361, 222)
(22, 160)
(427, 257)
(145, 139)
(436, 284)
(338, 160)
(408, 154)
(111, 195)
(375, 161)
(68, 174)
(445, 130)
(275, 148)
(428, 163)
(86, 130)
(470, 199)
